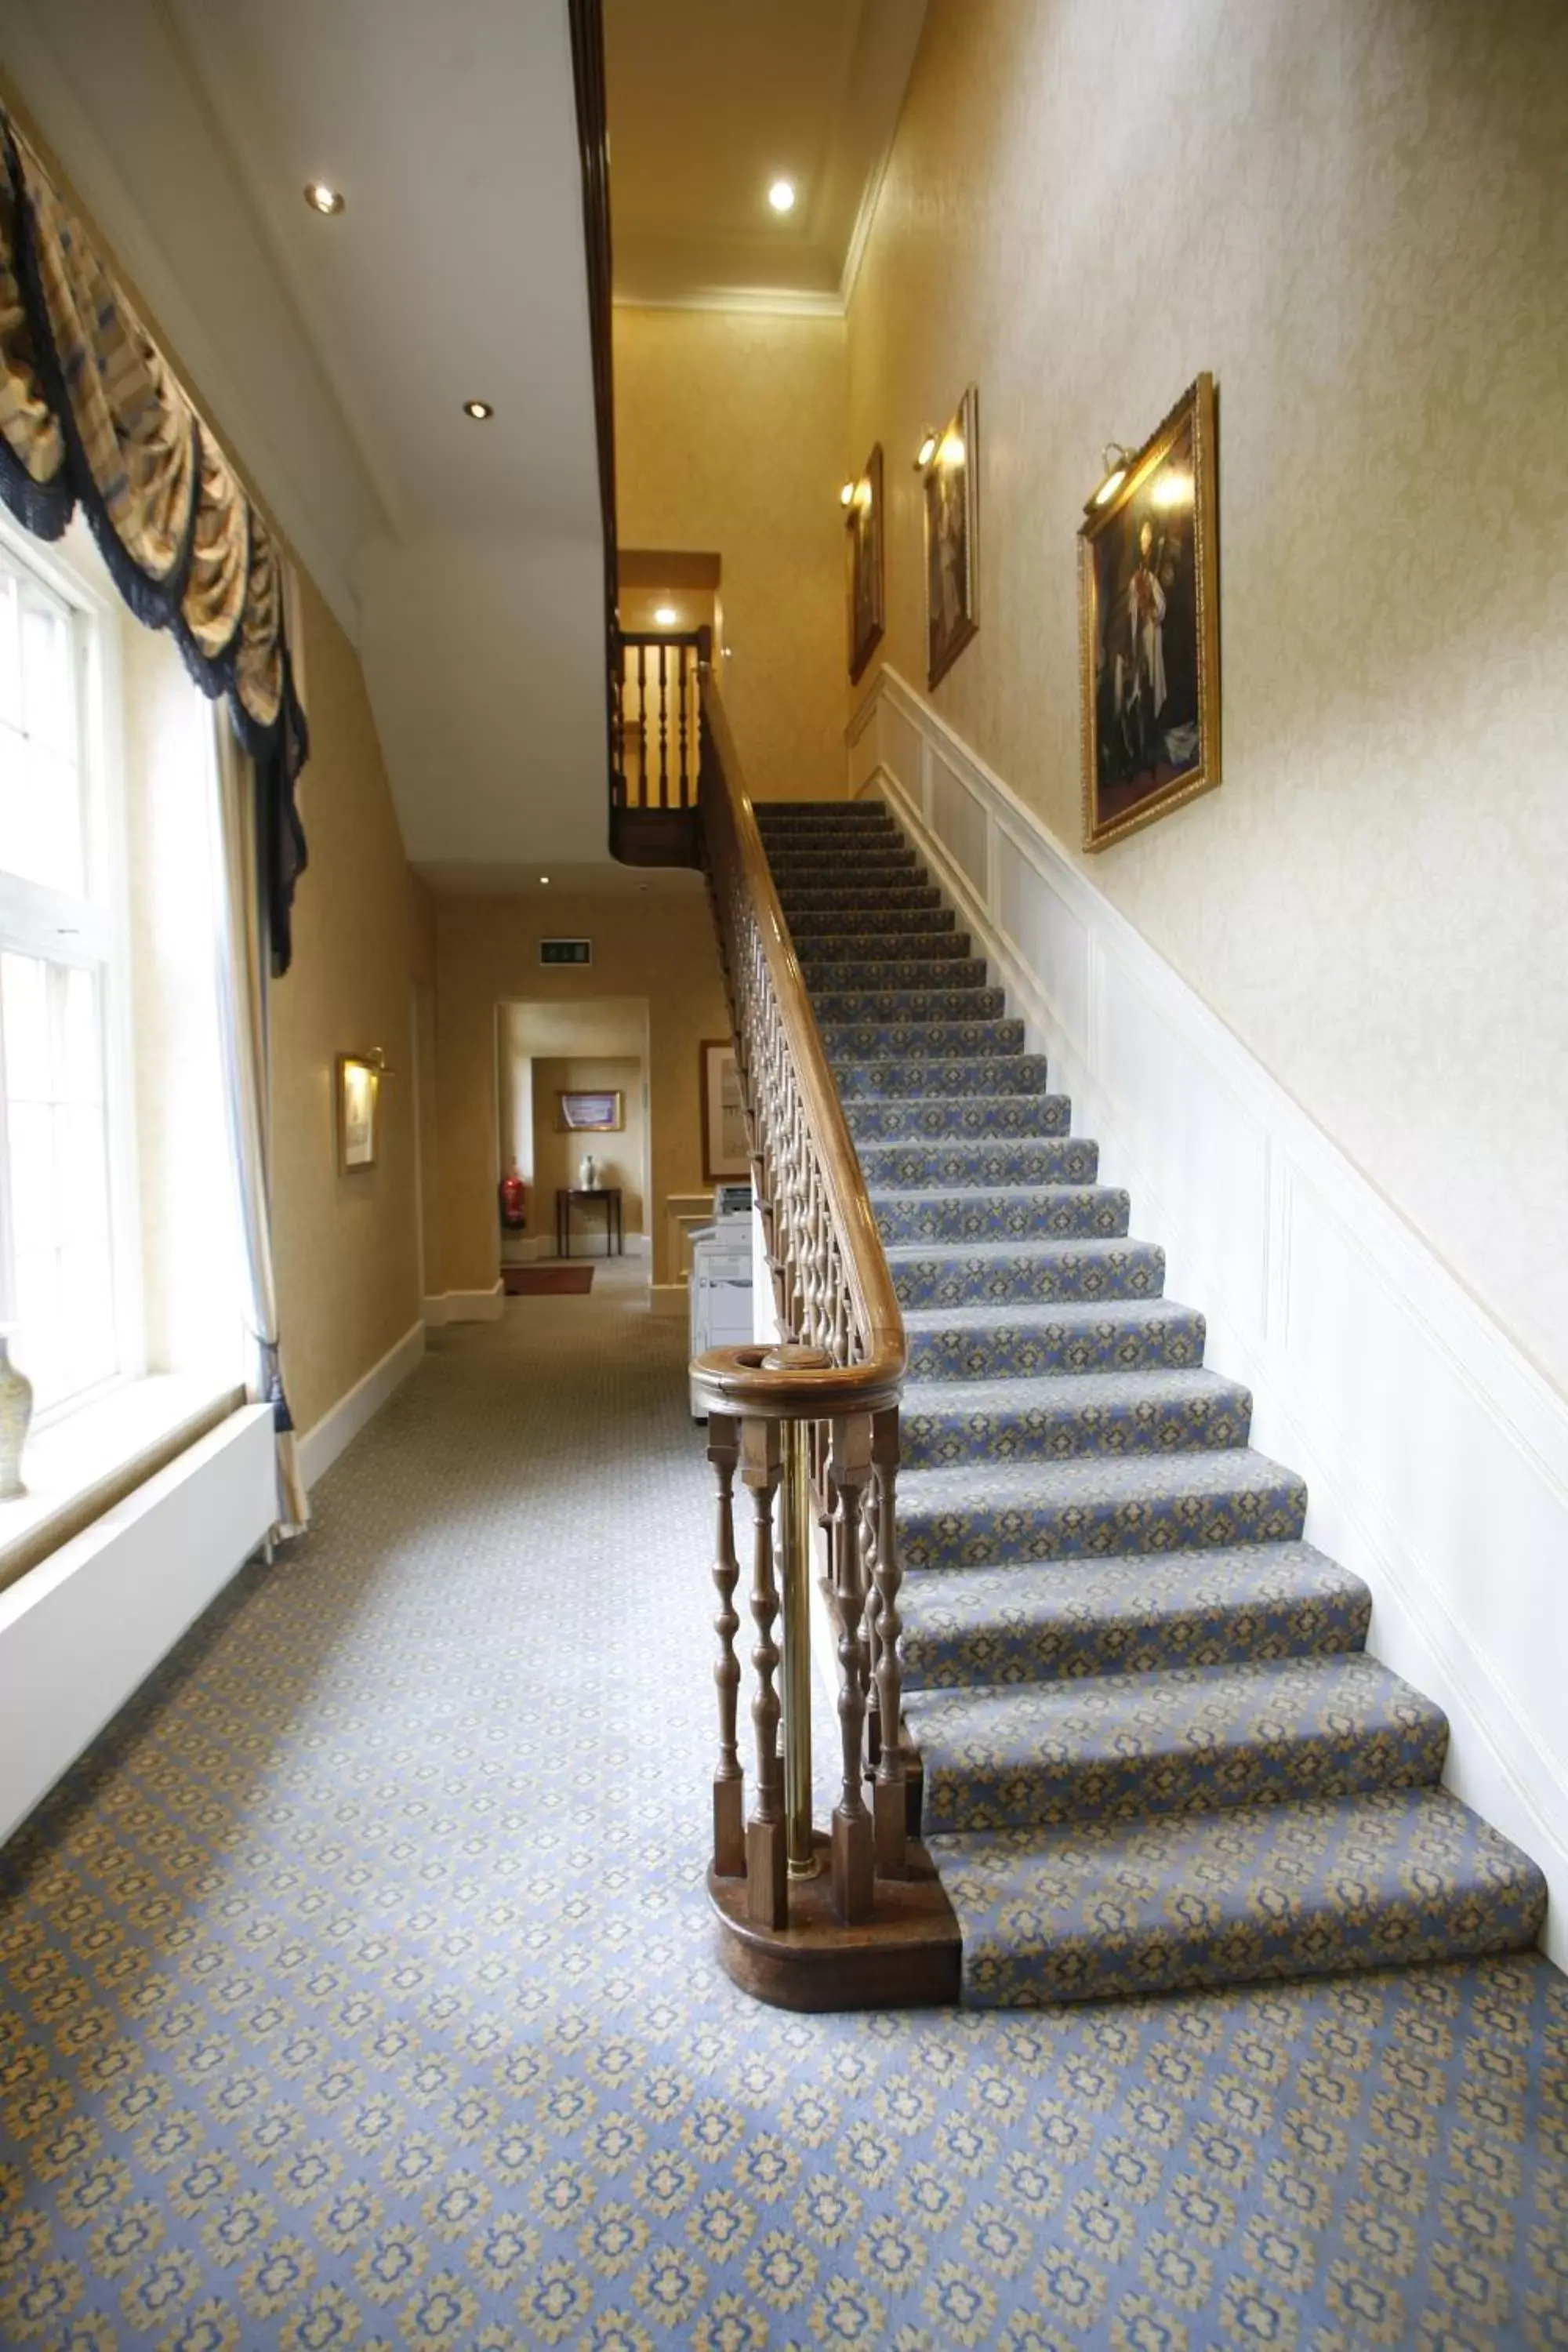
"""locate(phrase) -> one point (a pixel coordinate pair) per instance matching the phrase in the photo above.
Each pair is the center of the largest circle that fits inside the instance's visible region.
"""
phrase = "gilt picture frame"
(865, 566)
(949, 493)
(357, 1093)
(1149, 628)
(726, 1146)
(590, 1110)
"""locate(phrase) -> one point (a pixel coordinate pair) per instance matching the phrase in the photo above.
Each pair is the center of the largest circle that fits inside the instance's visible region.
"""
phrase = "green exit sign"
(565, 951)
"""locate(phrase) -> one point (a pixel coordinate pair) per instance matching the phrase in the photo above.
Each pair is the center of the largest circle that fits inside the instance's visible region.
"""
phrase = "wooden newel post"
(767, 1890)
(795, 1560)
(729, 1781)
(853, 1858)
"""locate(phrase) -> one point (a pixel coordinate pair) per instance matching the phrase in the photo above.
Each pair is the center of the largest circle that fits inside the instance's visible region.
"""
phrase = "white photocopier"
(721, 1283)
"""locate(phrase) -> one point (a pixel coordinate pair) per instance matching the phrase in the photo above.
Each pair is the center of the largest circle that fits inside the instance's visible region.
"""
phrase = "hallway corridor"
(358, 1990)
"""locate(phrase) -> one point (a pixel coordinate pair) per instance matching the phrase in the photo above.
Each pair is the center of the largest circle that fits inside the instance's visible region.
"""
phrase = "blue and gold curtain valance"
(91, 415)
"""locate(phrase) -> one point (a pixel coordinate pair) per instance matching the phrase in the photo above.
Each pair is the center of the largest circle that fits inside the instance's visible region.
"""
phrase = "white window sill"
(79, 1466)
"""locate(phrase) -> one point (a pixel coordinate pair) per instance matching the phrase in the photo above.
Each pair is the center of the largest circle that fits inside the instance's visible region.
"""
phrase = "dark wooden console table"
(611, 1196)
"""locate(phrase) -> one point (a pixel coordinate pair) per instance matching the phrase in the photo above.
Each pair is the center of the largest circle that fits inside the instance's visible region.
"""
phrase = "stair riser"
(848, 1044)
(906, 1168)
(1029, 1349)
(1011, 1650)
(1031, 1431)
(854, 962)
(790, 864)
(1050, 1212)
(869, 923)
(983, 1537)
(1136, 1272)
(1022, 1118)
(944, 1082)
(875, 897)
(1038, 1791)
(784, 820)
(848, 1007)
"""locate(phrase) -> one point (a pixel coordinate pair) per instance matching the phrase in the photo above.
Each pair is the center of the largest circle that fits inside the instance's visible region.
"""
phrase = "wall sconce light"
(846, 495)
(1117, 461)
(930, 441)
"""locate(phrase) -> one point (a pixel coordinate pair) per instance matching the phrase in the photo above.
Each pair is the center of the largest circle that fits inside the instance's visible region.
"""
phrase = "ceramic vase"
(588, 1174)
(16, 1413)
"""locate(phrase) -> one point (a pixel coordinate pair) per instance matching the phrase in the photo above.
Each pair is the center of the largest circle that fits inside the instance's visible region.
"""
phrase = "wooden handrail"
(844, 1298)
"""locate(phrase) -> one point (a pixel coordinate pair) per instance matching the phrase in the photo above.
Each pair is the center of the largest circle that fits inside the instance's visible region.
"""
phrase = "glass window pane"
(41, 813)
(57, 1166)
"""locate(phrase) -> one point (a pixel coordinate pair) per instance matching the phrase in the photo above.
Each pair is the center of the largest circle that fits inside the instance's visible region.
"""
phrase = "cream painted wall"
(346, 1247)
(659, 947)
(730, 440)
(557, 1157)
(1357, 216)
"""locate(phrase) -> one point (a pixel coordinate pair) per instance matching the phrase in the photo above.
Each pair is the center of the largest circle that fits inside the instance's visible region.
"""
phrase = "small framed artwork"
(863, 541)
(358, 1108)
(600, 1112)
(726, 1148)
(951, 493)
(1149, 627)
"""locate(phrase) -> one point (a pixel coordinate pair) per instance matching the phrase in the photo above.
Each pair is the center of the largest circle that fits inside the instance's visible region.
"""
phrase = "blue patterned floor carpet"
(359, 1990)
(1156, 1752)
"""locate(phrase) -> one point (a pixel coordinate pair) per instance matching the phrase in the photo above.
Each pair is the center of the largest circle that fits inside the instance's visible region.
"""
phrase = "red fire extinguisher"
(513, 1200)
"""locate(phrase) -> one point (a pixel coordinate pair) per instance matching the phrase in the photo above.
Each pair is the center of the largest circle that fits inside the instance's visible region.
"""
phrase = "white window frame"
(92, 930)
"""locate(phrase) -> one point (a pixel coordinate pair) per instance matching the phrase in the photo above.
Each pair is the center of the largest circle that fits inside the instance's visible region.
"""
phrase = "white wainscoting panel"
(1436, 1456)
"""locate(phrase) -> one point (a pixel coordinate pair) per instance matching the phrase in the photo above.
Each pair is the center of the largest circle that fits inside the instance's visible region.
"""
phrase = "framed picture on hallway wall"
(597, 1111)
(863, 543)
(951, 491)
(1149, 627)
(726, 1155)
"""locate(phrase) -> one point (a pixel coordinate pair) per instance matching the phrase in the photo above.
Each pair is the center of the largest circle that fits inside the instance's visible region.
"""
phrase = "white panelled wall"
(1436, 1456)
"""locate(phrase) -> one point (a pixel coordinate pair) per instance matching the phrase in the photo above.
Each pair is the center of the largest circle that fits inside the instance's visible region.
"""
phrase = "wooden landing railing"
(812, 1426)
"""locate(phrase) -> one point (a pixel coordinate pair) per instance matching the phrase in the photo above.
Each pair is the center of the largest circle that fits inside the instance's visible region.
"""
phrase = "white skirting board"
(321, 1444)
(465, 1306)
(83, 1629)
(1436, 1456)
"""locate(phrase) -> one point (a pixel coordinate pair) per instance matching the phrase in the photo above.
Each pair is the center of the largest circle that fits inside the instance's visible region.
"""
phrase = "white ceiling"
(709, 102)
(466, 559)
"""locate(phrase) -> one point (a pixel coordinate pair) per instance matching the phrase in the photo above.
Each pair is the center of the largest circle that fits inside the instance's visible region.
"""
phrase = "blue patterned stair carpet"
(1154, 1751)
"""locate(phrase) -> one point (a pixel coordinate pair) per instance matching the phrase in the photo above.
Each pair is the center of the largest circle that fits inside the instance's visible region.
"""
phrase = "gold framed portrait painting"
(726, 1146)
(1149, 625)
(358, 1092)
(863, 544)
(951, 490)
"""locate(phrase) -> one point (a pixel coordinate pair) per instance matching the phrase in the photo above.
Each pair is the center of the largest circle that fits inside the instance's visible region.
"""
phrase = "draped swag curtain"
(91, 415)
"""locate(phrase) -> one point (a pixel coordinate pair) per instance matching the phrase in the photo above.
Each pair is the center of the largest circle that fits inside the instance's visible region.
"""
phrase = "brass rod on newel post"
(795, 1521)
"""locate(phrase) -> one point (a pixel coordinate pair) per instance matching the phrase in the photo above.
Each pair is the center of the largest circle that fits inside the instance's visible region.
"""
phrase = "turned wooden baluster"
(767, 1898)
(685, 740)
(852, 1852)
(663, 729)
(642, 726)
(729, 1780)
(888, 1795)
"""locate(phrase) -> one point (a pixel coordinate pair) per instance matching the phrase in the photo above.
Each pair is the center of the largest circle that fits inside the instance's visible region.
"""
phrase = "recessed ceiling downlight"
(478, 410)
(324, 200)
(781, 196)
(665, 616)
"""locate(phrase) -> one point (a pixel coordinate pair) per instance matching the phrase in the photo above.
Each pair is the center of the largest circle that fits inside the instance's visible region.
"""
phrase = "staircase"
(1152, 1748)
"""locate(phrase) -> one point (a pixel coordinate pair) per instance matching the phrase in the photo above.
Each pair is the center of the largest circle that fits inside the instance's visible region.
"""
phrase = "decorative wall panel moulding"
(1437, 1455)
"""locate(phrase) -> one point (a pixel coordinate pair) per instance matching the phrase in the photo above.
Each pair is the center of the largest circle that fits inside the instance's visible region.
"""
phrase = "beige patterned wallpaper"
(729, 441)
(1356, 215)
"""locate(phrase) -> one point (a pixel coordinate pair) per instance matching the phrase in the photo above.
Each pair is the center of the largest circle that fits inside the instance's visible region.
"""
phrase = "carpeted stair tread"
(816, 817)
(946, 1078)
(1015, 1341)
(984, 1514)
(1004, 1213)
(868, 1040)
(904, 1119)
(871, 922)
(948, 1422)
(788, 860)
(965, 1274)
(1392, 1877)
(875, 952)
(991, 1627)
(843, 1007)
(970, 1161)
(1185, 1739)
